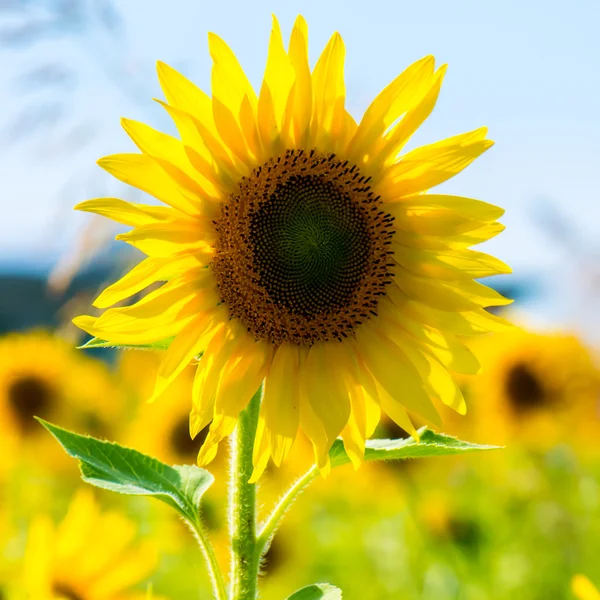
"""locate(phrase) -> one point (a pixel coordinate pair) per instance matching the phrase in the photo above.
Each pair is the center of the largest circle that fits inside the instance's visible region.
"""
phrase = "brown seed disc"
(302, 252)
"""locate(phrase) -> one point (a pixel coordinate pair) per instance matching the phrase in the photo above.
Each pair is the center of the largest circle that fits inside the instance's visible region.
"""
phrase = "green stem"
(216, 577)
(242, 505)
(270, 526)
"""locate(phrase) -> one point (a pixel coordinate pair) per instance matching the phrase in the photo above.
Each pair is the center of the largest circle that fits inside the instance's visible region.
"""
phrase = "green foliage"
(430, 444)
(112, 467)
(317, 591)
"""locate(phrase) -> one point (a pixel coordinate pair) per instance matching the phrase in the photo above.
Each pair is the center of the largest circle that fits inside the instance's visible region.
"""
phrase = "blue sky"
(527, 70)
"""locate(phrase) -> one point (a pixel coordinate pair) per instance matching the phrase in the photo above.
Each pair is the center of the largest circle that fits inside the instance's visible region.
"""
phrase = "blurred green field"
(514, 523)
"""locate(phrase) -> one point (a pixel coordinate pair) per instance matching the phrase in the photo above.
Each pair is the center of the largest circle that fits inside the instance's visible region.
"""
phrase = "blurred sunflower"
(297, 243)
(90, 555)
(540, 388)
(584, 589)
(41, 375)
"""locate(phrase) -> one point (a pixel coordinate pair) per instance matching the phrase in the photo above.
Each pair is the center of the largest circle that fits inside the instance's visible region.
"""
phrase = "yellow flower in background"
(42, 375)
(541, 388)
(297, 243)
(584, 589)
(90, 555)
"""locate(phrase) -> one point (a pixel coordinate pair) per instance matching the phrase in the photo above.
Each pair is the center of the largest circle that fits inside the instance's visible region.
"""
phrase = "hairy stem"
(216, 577)
(242, 505)
(270, 526)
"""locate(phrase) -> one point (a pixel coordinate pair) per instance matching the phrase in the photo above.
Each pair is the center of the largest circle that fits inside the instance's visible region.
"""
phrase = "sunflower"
(538, 388)
(584, 589)
(42, 375)
(61, 564)
(299, 248)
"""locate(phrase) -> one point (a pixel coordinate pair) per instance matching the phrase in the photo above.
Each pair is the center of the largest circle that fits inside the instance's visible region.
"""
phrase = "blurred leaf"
(430, 444)
(98, 343)
(112, 467)
(317, 591)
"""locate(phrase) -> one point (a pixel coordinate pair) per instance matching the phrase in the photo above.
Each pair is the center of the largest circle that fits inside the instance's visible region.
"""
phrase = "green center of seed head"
(310, 244)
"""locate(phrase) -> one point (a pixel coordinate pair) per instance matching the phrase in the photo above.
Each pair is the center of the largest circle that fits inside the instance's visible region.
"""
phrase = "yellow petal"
(392, 102)
(329, 91)
(230, 132)
(242, 377)
(429, 166)
(394, 410)
(159, 315)
(328, 396)
(450, 265)
(182, 94)
(397, 138)
(215, 170)
(469, 322)
(146, 272)
(275, 90)
(445, 347)
(310, 422)
(445, 295)
(302, 105)
(390, 367)
(229, 82)
(280, 406)
(210, 370)
(190, 341)
(169, 153)
(145, 174)
(127, 212)
(163, 240)
(434, 221)
(249, 127)
(435, 376)
(355, 432)
(261, 453)
(459, 241)
(477, 210)
(193, 284)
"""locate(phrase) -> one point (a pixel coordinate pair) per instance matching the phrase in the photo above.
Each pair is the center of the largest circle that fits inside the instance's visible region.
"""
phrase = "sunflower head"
(538, 388)
(61, 564)
(43, 376)
(302, 250)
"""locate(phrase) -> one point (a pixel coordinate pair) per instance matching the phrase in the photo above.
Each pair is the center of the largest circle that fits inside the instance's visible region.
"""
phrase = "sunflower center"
(29, 396)
(302, 251)
(311, 245)
(524, 389)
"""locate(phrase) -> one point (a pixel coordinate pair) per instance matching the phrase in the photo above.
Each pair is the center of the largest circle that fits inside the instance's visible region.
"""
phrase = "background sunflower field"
(522, 523)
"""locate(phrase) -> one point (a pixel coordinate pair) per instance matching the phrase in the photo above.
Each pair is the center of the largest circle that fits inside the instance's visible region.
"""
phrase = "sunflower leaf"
(112, 467)
(317, 591)
(429, 444)
(99, 343)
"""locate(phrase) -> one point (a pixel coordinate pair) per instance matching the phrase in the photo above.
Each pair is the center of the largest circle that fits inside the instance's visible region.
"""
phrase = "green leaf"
(112, 467)
(98, 343)
(430, 444)
(317, 591)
